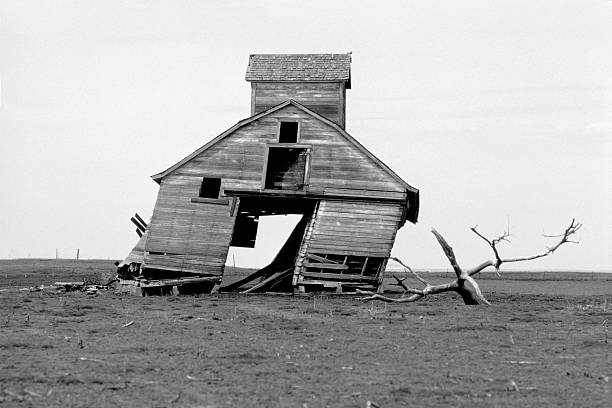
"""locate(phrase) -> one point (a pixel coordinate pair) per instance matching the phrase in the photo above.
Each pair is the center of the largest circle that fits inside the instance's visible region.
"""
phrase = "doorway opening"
(273, 228)
(265, 236)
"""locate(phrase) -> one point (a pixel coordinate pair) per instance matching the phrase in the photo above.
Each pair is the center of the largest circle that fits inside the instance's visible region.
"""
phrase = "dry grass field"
(542, 343)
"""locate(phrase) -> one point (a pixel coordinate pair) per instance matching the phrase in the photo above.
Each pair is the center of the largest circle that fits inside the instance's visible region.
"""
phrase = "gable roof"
(300, 67)
(157, 177)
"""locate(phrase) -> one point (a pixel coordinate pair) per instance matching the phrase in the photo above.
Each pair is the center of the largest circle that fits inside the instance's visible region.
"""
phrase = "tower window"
(210, 188)
(288, 132)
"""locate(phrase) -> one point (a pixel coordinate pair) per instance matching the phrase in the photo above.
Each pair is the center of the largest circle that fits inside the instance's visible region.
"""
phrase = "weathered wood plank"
(367, 189)
(320, 259)
(351, 238)
(175, 282)
(323, 98)
(352, 248)
(326, 265)
(273, 277)
(338, 277)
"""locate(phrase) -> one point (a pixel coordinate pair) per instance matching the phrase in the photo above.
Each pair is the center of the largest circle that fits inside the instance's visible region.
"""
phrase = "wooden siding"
(137, 253)
(325, 98)
(186, 236)
(335, 163)
(354, 228)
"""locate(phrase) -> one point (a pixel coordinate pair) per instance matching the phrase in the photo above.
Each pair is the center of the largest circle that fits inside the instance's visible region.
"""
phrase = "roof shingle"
(299, 67)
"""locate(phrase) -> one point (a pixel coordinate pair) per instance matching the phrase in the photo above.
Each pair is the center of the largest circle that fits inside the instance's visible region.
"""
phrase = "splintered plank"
(273, 278)
(247, 279)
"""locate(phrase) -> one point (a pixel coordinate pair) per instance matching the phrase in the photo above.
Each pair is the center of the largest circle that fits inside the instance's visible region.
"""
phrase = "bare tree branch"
(569, 231)
(400, 282)
(493, 244)
(468, 296)
(481, 267)
(458, 285)
(416, 275)
(376, 296)
(448, 251)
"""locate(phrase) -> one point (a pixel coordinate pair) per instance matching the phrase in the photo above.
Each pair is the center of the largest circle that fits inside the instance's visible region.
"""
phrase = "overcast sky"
(500, 112)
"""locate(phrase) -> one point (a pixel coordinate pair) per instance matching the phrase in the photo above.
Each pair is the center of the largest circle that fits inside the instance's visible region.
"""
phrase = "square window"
(210, 188)
(288, 132)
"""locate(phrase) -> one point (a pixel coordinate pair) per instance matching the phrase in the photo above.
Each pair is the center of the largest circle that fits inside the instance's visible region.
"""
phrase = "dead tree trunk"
(464, 284)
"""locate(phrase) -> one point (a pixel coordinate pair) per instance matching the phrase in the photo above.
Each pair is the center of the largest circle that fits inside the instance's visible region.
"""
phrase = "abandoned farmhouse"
(292, 155)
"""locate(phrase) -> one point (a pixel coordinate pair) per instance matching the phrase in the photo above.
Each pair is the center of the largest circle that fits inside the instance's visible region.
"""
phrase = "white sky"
(498, 111)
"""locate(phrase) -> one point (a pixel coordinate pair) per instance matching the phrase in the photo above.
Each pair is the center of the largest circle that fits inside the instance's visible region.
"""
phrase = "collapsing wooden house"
(291, 156)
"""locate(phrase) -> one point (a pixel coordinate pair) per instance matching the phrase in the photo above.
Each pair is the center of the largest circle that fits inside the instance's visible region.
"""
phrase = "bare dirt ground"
(542, 343)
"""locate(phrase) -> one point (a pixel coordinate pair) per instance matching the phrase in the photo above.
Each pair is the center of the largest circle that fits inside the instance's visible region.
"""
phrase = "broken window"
(288, 132)
(344, 264)
(210, 188)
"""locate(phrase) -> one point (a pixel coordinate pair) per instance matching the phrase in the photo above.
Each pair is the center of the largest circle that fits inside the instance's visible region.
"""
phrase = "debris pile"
(88, 288)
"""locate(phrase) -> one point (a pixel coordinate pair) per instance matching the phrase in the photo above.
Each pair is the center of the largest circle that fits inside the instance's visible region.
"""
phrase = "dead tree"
(470, 295)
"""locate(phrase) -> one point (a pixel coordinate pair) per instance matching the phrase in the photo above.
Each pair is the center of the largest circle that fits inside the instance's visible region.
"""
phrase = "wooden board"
(338, 277)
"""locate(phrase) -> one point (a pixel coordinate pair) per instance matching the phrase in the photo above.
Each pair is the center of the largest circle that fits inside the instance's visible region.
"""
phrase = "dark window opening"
(286, 168)
(210, 188)
(288, 132)
(245, 231)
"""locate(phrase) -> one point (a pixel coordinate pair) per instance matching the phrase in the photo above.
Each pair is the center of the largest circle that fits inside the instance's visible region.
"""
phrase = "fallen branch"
(471, 294)
(376, 296)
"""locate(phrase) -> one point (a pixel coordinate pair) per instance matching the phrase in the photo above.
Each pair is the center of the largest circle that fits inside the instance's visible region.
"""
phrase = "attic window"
(210, 188)
(288, 132)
